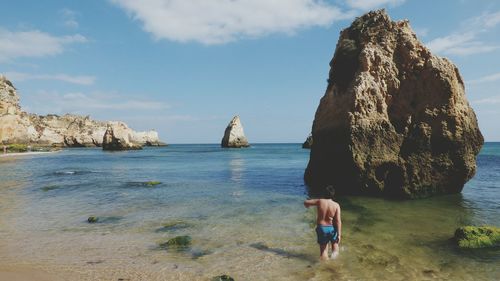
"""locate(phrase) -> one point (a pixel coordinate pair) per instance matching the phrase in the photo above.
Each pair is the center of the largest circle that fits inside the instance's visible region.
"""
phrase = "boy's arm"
(338, 223)
(311, 202)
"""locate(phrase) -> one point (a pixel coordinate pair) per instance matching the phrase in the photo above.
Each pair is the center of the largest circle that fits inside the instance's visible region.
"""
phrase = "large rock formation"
(118, 137)
(17, 126)
(234, 135)
(394, 120)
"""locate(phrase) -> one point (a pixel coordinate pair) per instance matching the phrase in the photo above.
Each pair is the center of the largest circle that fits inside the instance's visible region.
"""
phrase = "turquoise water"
(243, 210)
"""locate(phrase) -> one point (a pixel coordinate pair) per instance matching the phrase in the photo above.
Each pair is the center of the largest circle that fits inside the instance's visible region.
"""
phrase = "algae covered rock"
(92, 219)
(234, 135)
(394, 120)
(223, 278)
(177, 242)
(471, 237)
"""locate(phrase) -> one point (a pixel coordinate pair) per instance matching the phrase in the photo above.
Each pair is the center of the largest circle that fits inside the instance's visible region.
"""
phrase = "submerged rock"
(234, 135)
(471, 237)
(118, 137)
(176, 242)
(223, 278)
(308, 143)
(92, 219)
(394, 120)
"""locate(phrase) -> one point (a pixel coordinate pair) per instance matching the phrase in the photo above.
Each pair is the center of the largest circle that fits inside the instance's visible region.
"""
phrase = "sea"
(243, 210)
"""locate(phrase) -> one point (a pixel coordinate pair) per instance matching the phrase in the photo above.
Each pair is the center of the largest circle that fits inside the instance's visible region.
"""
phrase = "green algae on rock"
(49, 187)
(173, 225)
(223, 278)
(176, 242)
(473, 237)
(92, 219)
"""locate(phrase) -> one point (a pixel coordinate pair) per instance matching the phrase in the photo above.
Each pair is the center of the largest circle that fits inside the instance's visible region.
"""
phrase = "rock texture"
(118, 137)
(394, 120)
(17, 126)
(234, 135)
(308, 143)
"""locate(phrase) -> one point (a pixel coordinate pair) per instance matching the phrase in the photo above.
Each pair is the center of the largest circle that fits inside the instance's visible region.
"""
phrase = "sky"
(186, 67)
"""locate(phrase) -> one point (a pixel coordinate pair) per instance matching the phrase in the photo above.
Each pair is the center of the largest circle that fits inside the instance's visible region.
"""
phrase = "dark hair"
(330, 191)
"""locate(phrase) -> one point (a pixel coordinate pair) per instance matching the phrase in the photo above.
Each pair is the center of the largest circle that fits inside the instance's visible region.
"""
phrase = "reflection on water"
(242, 209)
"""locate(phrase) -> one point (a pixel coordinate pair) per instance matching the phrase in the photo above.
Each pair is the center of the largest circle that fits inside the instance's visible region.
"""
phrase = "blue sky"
(185, 67)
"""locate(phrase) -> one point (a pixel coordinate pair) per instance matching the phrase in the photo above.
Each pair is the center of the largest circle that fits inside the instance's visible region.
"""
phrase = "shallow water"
(243, 210)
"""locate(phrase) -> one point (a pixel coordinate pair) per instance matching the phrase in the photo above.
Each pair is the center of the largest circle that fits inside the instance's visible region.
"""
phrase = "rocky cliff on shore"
(394, 120)
(17, 126)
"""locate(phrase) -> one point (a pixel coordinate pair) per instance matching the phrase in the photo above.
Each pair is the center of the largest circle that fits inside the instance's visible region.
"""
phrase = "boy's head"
(330, 192)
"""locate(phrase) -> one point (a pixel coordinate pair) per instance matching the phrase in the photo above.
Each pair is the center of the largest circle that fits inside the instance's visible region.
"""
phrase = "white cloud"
(460, 44)
(464, 41)
(92, 103)
(221, 21)
(371, 4)
(490, 100)
(81, 79)
(69, 18)
(485, 79)
(33, 43)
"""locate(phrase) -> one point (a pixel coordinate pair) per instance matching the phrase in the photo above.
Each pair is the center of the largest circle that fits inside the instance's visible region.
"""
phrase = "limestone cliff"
(234, 135)
(394, 120)
(118, 137)
(17, 126)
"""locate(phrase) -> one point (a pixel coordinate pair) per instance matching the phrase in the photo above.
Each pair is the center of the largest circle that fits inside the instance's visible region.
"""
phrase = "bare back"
(327, 210)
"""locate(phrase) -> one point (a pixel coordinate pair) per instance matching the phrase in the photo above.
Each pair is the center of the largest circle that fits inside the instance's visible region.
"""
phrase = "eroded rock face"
(394, 120)
(17, 126)
(234, 135)
(118, 137)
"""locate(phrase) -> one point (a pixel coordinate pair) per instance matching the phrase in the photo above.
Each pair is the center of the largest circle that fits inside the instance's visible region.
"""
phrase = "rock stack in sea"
(17, 126)
(234, 135)
(308, 143)
(118, 137)
(394, 120)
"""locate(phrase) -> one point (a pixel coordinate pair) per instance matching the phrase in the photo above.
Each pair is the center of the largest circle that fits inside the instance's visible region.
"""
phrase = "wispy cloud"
(371, 4)
(460, 44)
(465, 41)
(485, 79)
(79, 79)
(490, 100)
(221, 21)
(69, 18)
(34, 43)
(44, 102)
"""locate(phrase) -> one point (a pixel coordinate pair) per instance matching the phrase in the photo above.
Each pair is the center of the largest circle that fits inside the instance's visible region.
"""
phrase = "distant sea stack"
(118, 137)
(308, 143)
(234, 135)
(394, 121)
(17, 126)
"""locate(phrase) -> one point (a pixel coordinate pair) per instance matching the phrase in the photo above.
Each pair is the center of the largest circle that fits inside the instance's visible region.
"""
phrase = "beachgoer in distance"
(329, 224)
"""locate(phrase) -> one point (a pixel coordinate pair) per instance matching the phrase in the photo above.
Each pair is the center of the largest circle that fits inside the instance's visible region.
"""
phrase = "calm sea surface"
(242, 208)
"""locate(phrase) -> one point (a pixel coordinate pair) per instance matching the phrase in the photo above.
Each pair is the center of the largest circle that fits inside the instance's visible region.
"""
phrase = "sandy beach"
(27, 153)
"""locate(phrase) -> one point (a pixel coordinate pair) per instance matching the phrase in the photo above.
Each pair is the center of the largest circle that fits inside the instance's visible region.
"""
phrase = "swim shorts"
(326, 233)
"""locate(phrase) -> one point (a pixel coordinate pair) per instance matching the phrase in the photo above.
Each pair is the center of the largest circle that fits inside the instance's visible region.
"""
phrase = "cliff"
(394, 120)
(17, 126)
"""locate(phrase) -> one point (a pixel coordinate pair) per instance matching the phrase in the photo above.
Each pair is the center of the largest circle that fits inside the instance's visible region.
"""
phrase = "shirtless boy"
(329, 225)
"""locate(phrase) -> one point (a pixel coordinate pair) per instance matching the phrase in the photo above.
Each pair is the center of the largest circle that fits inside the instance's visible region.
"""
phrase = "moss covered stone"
(17, 147)
(223, 278)
(152, 183)
(472, 237)
(176, 242)
(92, 219)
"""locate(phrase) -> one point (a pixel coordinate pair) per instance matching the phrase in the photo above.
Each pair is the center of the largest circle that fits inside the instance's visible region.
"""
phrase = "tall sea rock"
(234, 135)
(394, 120)
(17, 126)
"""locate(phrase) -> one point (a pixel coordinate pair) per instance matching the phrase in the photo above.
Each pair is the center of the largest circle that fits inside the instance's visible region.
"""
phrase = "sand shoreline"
(27, 153)
(26, 273)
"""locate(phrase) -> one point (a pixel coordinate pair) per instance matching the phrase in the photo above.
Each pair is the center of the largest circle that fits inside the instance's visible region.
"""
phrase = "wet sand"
(26, 273)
